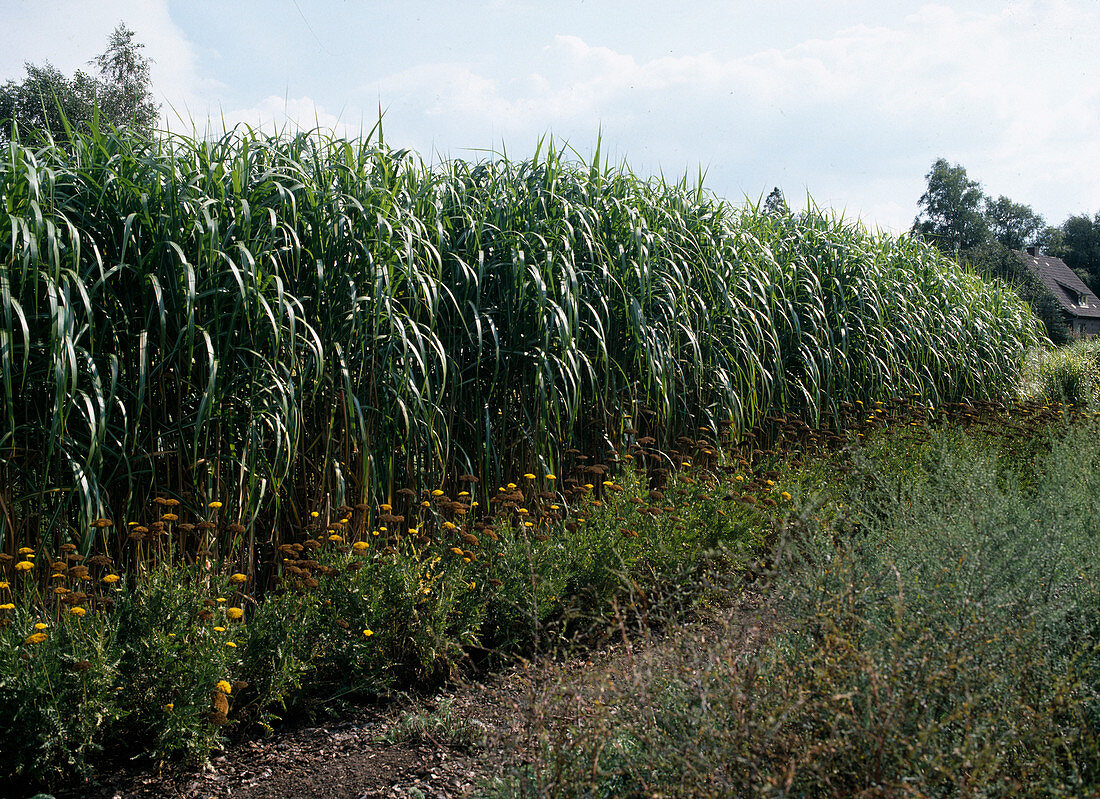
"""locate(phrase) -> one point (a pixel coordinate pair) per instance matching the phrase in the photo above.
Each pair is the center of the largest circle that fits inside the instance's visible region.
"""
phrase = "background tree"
(951, 210)
(776, 204)
(46, 98)
(1078, 244)
(1013, 225)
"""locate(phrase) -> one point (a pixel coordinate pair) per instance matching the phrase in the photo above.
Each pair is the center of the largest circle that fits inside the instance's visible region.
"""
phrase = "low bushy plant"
(1070, 375)
(928, 643)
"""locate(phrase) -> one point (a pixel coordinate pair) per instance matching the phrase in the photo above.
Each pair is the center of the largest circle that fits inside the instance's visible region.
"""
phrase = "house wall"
(1085, 327)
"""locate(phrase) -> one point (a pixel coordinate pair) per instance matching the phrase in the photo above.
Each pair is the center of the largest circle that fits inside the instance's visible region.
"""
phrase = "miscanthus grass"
(282, 323)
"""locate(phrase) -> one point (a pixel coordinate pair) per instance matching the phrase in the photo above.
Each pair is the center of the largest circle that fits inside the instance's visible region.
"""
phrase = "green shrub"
(1069, 374)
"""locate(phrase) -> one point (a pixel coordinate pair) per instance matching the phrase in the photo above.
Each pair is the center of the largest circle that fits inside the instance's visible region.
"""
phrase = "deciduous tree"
(951, 209)
(47, 102)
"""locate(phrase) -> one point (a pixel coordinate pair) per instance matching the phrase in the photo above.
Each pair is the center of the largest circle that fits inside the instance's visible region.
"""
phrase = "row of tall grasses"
(291, 323)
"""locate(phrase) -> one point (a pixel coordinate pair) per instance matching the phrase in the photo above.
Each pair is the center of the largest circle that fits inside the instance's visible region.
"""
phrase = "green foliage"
(1078, 244)
(273, 321)
(1068, 375)
(1012, 225)
(160, 663)
(951, 215)
(440, 725)
(993, 260)
(49, 104)
(938, 639)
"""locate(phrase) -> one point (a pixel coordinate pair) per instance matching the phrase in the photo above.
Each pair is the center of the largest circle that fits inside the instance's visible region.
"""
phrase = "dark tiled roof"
(1064, 284)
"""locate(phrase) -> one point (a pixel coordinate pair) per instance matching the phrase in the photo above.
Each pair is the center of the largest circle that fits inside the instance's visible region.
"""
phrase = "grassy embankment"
(937, 634)
(308, 377)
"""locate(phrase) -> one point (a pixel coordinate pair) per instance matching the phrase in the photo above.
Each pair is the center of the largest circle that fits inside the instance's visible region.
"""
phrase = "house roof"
(1070, 291)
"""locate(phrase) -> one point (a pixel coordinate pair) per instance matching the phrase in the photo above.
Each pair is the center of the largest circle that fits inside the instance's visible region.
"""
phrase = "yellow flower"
(169, 517)
(8, 606)
(528, 524)
(219, 629)
(314, 514)
(385, 508)
(473, 585)
(413, 531)
(111, 579)
(224, 687)
(4, 584)
(529, 476)
(26, 551)
(464, 493)
(77, 611)
(739, 479)
(24, 566)
(457, 551)
(437, 493)
(234, 613)
(770, 482)
(551, 477)
(231, 644)
(425, 504)
(360, 545)
(474, 504)
(238, 578)
(785, 496)
(335, 538)
(522, 511)
(589, 486)
(608, 483)
(511, 486)
(221, 599)
(215, 505)
(35, 638)
(170, 707)
(368, 633)
(40, 626)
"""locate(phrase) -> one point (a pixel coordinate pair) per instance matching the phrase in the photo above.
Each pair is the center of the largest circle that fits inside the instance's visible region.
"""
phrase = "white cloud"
(986, 89)
(854, 114)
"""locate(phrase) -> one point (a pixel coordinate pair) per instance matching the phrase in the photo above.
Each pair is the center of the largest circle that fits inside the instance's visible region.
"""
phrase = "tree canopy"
(1011, 224)
(47, 102)
(951, 209)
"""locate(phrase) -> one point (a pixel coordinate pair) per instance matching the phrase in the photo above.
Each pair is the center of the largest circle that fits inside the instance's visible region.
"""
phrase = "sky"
(845, 101)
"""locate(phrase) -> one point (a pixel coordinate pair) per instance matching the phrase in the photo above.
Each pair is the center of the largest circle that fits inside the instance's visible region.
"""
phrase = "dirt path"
(373, 753)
